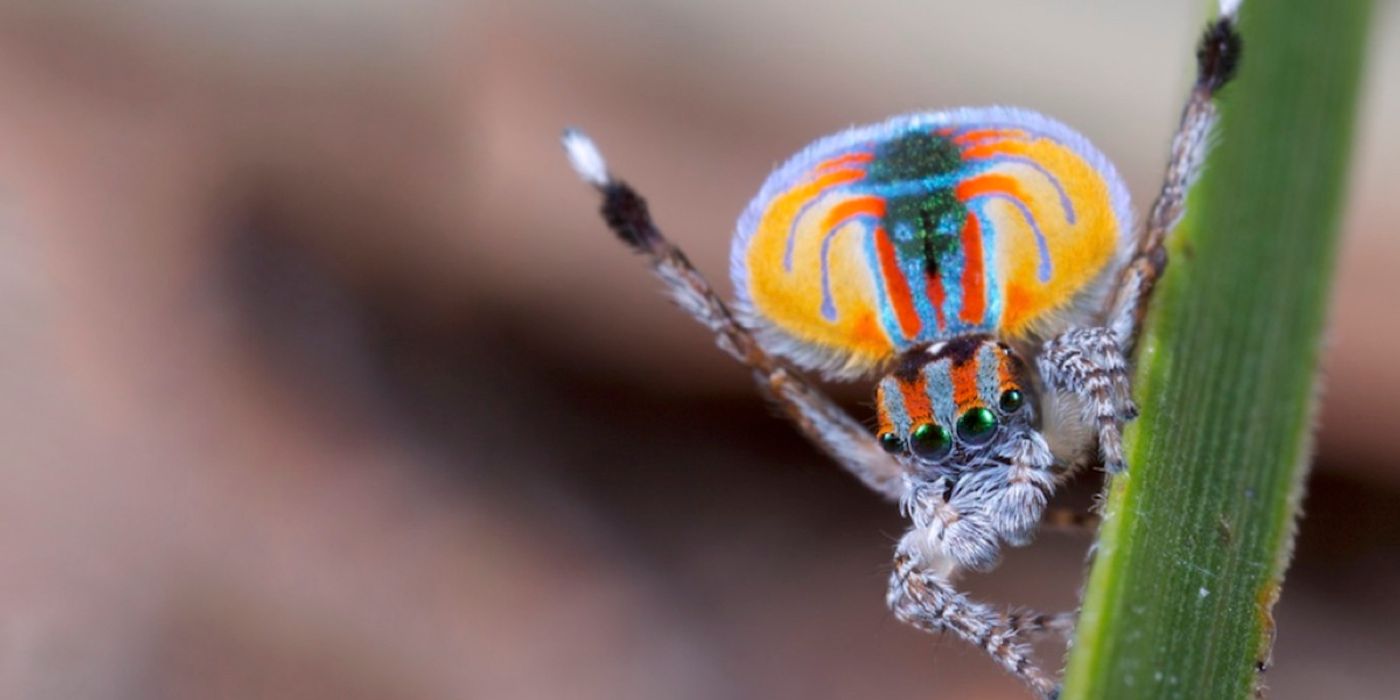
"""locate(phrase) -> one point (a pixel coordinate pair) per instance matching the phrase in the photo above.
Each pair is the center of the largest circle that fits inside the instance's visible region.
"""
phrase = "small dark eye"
(977, 425)
(930, 441)
(1011, 401)
(891, 443)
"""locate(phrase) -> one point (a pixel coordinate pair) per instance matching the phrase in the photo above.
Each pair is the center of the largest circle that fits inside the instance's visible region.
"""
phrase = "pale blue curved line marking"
(802, 211)
(792, 228)
(1043, 269)
(828, 304)
(1065, 202)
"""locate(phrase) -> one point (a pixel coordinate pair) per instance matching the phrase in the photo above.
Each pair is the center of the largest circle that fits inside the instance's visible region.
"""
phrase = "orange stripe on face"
(979, 134)
(848, 159)
(965, 384)
(974, 283)
(1005, 379)
(896, 285)
(885, 426)
(916, 401)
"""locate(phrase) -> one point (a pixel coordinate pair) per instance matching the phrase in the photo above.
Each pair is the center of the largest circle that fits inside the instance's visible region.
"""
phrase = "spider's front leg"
(921, 593)
(1088, 366)
(954, 529)
(921, 596)
(818, 417)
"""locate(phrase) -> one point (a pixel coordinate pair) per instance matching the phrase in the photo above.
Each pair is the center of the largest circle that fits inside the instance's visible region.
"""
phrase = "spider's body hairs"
(1021, 426)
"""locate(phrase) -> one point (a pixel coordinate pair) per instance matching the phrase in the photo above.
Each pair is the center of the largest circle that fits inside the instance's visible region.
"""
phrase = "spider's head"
(955, 405)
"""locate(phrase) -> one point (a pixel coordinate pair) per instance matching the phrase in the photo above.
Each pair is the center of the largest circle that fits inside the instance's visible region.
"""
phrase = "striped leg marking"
(923, 599)
(1089, 363)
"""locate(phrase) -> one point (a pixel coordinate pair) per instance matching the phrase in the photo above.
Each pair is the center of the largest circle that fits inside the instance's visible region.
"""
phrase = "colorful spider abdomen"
(923, 228)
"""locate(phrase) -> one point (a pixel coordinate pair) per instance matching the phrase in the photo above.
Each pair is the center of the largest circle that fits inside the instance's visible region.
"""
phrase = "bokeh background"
(320, 379)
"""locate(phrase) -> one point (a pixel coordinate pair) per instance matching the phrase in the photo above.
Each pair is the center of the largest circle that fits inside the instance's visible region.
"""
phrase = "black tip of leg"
(1218, 58)
(626, 214)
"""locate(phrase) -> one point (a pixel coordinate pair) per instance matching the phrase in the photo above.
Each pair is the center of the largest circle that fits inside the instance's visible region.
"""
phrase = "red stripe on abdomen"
(896, 286)
(974, 282)
(934, 286)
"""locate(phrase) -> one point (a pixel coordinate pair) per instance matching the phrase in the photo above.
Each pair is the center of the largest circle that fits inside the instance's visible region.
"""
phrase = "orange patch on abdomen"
(1014, 309)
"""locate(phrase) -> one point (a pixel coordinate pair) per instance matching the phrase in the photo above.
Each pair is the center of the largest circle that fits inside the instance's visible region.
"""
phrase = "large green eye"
(1012, 400)
(930, 441)
(891, 443)
(977, 425)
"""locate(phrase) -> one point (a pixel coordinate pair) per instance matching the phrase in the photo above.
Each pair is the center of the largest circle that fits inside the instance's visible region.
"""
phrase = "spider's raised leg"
(820, 419)
(1091, 363)
(1217, 60)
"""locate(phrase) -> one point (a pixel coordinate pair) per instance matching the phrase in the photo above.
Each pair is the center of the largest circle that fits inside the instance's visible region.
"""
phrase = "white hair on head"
(585, 157)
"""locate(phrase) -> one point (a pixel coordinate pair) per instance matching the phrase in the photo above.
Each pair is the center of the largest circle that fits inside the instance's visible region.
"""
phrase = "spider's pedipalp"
(920, 595)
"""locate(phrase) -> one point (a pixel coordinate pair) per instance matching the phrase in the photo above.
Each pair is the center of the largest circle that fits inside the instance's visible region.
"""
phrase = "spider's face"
(955, 405)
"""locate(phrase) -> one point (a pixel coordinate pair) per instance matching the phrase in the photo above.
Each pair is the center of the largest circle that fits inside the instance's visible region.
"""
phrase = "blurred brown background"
(322, 380)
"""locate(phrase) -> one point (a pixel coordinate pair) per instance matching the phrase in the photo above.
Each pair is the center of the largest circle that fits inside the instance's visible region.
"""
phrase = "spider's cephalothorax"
(982, 261)
(961, 417)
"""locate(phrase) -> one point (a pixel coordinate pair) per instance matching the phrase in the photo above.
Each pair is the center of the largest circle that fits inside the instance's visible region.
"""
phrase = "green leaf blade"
(1196, 537)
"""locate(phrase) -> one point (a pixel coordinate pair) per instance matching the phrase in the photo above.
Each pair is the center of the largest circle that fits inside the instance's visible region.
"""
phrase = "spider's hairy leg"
(953, 530)
(1089, 363)
(818, 417)
(920, 595)
(1217, 60)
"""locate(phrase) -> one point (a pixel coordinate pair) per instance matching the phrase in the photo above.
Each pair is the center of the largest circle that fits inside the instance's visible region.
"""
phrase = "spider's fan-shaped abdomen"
(923, 228)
